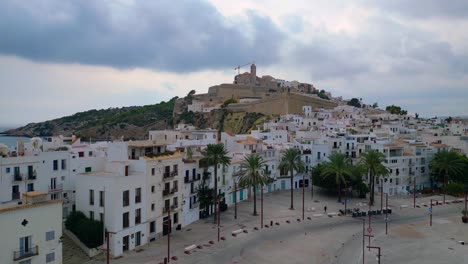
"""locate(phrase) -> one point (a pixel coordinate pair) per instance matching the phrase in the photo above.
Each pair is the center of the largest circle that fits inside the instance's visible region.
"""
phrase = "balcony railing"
(174, 190)
(15, 196)
(56, 188)
(174, 173)
(166, 192)
(17, 177)
(26, 253)
(32, 175)
(168, 175)
(174, 206)
(194, 190)
(137, 220)
(188, 179)
(137, 199)
(165, 209)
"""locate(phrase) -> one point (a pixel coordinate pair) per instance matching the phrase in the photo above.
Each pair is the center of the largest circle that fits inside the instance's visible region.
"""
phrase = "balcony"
(17, 177)
(137, 199)
(187, 179)
(166, 192)
(174, 173)
(307, 151)
(55, 188)
(26, 253)
(194, 190)
(165, 209)
(174, 206)
(15, 196)
(174, 190)
(168, 175)
(32, 175)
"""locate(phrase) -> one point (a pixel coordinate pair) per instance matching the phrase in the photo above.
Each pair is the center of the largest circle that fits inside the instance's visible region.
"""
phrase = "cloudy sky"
(58, 57)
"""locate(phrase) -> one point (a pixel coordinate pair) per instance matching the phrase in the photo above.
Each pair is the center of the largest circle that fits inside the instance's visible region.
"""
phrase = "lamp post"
(261, 206)
(386, 213)
(303, 193)
(414, 193)
(311, 184)
(219, 220)
(168, 234)
(235, 199)
(381, 194)
(430, 215)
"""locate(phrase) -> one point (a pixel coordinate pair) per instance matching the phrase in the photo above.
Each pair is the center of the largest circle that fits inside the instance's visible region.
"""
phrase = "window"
(30, 187)
(91, 197)
(81, 154)
(152, 207)
(7, 170)
(137, 216)
(125, 220)
(90, 153)
(55, 165)
(153, 171)
(137, 239)
(50, 235)
(153, 227)
(88, 169)
(152, 188)
(176, 218)
(126, 198)
(101, 198)
(101, 217)
(137, 195)
(50, 257)
(64, 164)
(91, 215)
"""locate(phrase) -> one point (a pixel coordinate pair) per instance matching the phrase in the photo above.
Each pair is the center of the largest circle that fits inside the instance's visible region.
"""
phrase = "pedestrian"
(325, 209)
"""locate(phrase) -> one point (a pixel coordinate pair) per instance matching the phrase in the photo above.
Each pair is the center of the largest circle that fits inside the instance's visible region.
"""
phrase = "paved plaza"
(318, 239)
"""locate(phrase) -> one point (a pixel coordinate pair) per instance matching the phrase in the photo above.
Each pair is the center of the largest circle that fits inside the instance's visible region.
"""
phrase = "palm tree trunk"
(292, 191)
(372, 190)
(215, 192)
(445, 179)
(339, 192)
(255, 200)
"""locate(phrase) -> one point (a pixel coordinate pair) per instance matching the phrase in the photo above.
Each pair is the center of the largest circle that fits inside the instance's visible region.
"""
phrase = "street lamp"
(303, 192)
(235, 197)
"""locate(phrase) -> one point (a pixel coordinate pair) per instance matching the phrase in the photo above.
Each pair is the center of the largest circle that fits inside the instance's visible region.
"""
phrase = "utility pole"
(303, 195)
(219, 221)
(430, 215)
(311, 185)
(381, 194)
(261, 208)
(169, 234)
(414, 193)
(386, 213)
(235, 199)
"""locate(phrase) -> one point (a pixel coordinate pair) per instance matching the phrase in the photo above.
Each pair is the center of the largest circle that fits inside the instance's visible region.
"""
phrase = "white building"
(31, 231)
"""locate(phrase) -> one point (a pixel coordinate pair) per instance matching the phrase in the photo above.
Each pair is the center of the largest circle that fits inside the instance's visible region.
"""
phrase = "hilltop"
(134, 122)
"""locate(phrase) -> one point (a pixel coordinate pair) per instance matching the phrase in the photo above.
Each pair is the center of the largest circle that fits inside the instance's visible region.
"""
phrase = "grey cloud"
(179, 36)
(424, 8)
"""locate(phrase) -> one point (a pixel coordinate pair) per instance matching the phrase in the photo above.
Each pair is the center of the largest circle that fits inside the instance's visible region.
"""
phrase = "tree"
(372, 160)
(253, 175)
(396, 110)
(447, 166)
(448, 119)
(375, 105)
(215, 155)
(338, 166)
(354, 102)
(205, 194)
(356, 174)
(291, 161)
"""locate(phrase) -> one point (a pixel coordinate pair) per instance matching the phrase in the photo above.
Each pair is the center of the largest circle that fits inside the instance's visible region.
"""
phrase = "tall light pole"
(386, 213)
(303, 195)
(261, 207)
(235, 199)
(381, 194)
(219, 220)
(169, 234)
(311, 185)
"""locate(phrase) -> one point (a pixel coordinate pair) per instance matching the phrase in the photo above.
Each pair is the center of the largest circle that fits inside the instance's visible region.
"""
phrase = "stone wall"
(284, 103)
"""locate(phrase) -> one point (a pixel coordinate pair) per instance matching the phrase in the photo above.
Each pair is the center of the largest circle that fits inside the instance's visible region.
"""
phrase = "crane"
(240, 66)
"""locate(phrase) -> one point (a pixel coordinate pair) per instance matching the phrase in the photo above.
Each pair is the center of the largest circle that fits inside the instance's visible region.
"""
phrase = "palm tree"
(447, 164)
(373, 162)
(253, 175)
(291, 161)
(215, 155)
(356, 174)
(339, 166)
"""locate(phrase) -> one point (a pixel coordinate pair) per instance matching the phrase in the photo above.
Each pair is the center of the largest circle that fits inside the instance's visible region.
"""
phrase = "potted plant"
(465, 216)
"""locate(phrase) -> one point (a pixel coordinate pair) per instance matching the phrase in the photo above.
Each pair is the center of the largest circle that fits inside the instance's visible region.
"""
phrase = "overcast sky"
(58, 57)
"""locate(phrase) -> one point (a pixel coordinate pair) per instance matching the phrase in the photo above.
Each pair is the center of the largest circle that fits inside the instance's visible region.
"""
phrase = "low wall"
(91, 252)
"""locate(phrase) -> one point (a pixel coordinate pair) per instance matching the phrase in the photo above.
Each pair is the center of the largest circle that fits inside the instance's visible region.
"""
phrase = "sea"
(10, 141)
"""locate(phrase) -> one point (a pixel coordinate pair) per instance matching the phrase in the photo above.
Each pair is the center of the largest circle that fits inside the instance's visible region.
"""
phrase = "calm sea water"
(10, 141)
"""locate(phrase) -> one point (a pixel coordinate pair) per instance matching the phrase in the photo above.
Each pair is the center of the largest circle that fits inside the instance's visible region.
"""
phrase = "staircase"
(72, 254)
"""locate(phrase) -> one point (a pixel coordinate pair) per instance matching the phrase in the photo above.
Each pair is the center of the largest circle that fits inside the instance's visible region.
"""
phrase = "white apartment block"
(31, 232)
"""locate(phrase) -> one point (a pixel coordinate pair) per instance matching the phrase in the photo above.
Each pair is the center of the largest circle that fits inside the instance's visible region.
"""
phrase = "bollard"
(165, 260)
(271, 223)
(174, 258)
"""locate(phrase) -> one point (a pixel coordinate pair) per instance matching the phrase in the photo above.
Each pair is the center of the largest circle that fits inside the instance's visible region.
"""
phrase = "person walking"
(325, 209)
